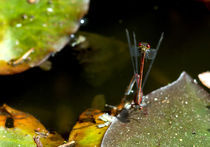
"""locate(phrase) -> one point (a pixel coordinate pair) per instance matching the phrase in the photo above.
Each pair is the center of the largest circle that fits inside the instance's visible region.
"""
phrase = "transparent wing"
(151, 54)
(136, 52)
(130, 49)
(152, 61)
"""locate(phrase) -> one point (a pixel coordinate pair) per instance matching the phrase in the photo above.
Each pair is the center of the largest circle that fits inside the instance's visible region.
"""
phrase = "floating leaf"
(175, 115)
(31, 31)
(86, 132)
(21, 129)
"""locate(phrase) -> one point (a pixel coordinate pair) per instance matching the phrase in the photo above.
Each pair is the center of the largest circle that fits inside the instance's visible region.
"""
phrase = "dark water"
(58, 96)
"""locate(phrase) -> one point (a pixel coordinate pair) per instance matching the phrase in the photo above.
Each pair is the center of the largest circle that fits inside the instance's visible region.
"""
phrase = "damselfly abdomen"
(138, 55)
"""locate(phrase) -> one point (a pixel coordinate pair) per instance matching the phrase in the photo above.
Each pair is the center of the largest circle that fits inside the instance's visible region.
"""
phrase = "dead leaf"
(205, 78)
(22, 129)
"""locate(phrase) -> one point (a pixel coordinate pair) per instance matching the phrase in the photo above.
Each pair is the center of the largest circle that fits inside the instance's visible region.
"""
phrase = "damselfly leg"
(138, 55)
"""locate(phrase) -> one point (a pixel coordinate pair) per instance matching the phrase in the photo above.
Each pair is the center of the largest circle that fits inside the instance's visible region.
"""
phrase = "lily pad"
(21, 129)
(31, 31)
(175, 115)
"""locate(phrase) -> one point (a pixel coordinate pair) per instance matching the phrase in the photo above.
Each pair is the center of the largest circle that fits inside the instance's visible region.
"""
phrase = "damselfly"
(138, 55)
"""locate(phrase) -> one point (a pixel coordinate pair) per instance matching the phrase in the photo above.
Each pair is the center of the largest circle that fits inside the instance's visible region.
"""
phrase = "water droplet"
(180, 139)
(82, 21)
(44, 25)
(18, 25)
(16, 42)
(72, 36)
(195, 81)
(50, 9)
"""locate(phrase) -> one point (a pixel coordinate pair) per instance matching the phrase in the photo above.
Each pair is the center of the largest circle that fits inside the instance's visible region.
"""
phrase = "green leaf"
(31, 32)
(175, 115)
(15, 137)
(21, 129)
(86, 132)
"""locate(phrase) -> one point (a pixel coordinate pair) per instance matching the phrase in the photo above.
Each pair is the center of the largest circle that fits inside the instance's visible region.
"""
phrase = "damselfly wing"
(138, 55)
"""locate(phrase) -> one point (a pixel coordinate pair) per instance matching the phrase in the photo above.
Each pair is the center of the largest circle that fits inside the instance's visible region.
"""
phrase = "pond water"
(58, 96)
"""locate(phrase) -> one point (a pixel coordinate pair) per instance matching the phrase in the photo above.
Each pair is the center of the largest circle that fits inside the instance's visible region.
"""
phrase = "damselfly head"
(140, 52)
(143, 46)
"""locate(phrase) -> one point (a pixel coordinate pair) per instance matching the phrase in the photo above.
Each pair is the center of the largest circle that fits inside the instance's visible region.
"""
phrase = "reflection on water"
(58, 96)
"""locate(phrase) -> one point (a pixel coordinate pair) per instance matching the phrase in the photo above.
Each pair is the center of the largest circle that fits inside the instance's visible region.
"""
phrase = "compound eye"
(140, 44)
(148, 46)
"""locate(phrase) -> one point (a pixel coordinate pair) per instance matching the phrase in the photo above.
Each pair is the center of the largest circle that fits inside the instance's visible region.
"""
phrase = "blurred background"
(79, 78)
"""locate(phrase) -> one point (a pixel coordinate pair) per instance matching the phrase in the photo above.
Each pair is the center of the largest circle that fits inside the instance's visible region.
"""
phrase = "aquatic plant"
(32, 31)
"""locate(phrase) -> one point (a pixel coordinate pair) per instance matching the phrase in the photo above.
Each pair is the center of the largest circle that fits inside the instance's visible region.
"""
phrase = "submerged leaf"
(175, 115)
(101, 56)
(98, 102)
(31, 31)
(21, 129)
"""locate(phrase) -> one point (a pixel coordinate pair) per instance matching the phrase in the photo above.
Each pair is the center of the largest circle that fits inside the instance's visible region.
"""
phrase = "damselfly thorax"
(138, 55)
